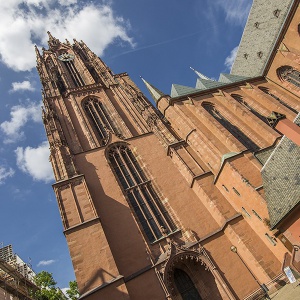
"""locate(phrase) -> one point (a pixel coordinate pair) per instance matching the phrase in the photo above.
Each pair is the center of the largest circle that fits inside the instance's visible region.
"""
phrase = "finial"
(37, 50)
(200, 74)
(50, 35)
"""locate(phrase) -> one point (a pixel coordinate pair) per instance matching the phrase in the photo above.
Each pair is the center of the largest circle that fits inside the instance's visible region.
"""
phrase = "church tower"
(163, 203)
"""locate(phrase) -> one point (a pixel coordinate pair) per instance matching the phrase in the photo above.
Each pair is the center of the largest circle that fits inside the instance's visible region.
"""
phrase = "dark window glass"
(100, 119)
(234, 130)
(185, 286)
(147, 207)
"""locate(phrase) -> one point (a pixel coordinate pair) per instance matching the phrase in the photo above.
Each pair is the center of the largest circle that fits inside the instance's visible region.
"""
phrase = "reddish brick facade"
(151, 205)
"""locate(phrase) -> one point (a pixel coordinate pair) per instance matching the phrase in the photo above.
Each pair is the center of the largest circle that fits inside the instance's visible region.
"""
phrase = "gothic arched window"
(185, 286)
(289, 74)
(143, 200)
(266, 91)
(68, 61)
(100, 118)
(234, 130)
(254, 110)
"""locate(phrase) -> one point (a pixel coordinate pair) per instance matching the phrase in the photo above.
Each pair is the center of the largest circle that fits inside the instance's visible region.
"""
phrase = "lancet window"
(289, 74)
(266, 90)
(143, 199)
(185, 285)
(75, 75)
(254, 110)
(58, 81)
(234, 130)
(100, 118)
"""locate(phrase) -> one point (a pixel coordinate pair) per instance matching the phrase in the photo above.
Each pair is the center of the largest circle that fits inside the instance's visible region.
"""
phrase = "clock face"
(66, 57)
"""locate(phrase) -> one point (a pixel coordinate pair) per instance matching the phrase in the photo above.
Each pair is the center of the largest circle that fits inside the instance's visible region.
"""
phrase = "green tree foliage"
(48, 290)
(72, 292)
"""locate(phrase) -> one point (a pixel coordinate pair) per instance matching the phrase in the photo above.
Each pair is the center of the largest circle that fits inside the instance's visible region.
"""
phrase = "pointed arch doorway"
(185, 285)
(189, 274)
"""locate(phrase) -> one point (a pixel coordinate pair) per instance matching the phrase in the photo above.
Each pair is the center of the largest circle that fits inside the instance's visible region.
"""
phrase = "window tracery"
(100, 119)
(67, 59)
(143, 200)
(289, 74)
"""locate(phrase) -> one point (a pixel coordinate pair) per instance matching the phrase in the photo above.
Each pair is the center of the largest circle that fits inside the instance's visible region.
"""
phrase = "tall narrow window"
(145, 203)
(56, 78)
(75, 75)
(234, 130)
(185, 285)
(266, 90)
(289, 74)
(100, 119)
(254, 110)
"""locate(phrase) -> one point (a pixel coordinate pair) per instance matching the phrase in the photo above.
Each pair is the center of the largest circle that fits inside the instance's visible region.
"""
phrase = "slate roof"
(264, 154)
(180, 90)
(204, 84)
(260, 35)
(228, 78)
(208, 84)
(281, 179)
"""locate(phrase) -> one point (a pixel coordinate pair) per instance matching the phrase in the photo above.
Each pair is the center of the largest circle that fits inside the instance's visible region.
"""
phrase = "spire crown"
(200, 75)
(38, 55)
(155, 93)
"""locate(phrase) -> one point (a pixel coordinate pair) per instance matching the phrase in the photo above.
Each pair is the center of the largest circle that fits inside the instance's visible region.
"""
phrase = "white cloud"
(20, 115)
(27, 21)
(5, 173)
(22, 86)
(230, 59)
(235, 11)
(67, 2)
(35, 162)
(46, 262)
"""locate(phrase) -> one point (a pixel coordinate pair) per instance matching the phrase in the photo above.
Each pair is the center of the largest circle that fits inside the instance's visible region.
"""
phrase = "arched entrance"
(185, 285)
(189, 274)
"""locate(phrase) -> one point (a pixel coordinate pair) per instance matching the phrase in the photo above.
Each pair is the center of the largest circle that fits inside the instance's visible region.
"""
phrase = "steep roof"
(155, 93)
(264, 24)
(180, 90)
(281, 179)
(204, 83)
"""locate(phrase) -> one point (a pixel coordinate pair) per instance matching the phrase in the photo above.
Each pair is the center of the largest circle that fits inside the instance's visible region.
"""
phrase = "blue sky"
(157, 39)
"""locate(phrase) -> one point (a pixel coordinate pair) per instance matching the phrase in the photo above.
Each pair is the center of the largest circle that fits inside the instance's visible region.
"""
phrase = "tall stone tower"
(167, 203)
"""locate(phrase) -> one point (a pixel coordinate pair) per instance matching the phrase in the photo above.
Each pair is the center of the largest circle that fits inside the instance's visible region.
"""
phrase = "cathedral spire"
(155, 93)
(200, 74)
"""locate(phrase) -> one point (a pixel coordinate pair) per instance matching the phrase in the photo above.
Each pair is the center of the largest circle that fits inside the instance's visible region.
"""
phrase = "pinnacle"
(155, 93)
(200, 75)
